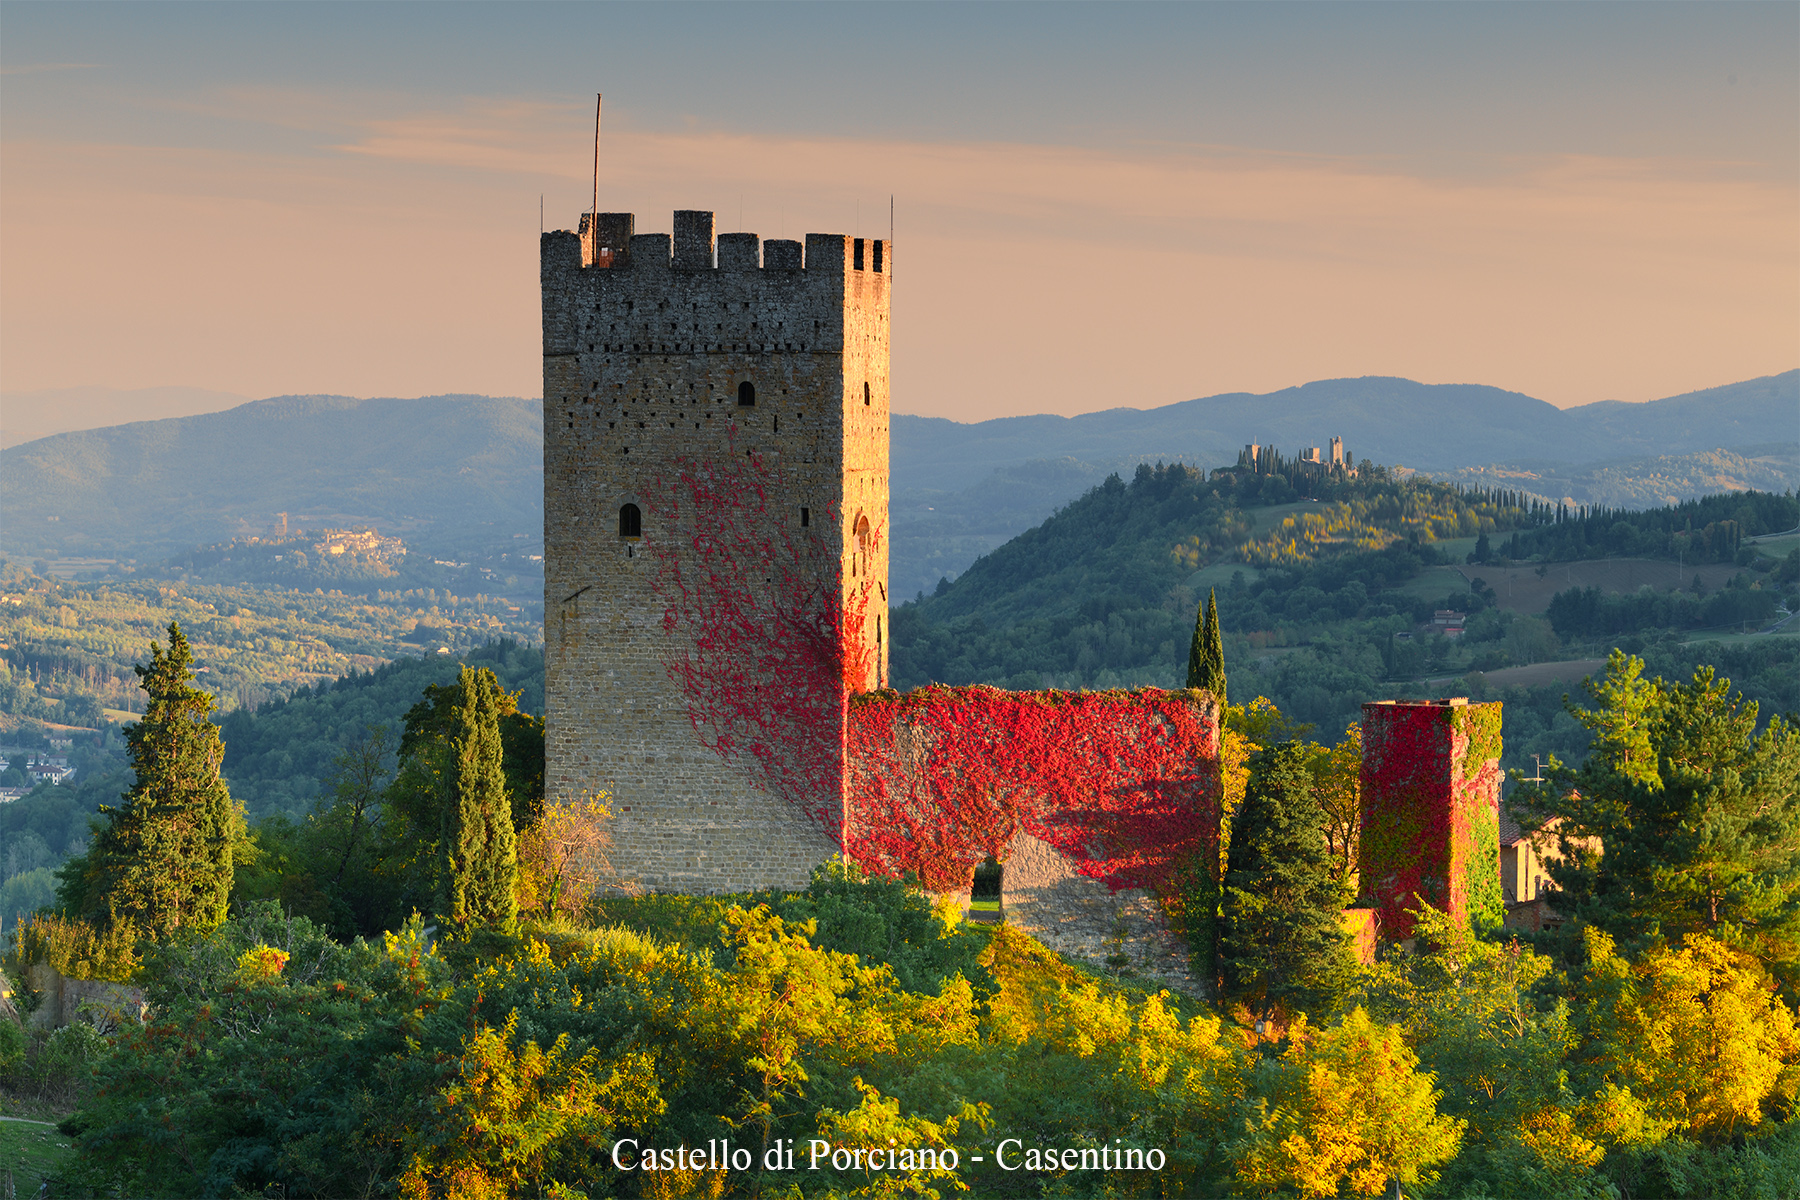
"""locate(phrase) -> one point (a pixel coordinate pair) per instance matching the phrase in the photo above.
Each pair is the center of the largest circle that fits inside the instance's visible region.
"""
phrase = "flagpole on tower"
(594, 219)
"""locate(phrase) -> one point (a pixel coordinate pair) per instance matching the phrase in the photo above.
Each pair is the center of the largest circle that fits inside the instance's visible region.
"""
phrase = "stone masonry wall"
(61, 999)
(1043, 892)
(648, 341)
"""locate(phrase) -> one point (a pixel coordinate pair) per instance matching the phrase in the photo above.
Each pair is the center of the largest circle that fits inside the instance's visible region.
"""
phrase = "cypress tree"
(1282, 938)
(164, 859)
(1206, 653)
(480, 844)
(1215, 649)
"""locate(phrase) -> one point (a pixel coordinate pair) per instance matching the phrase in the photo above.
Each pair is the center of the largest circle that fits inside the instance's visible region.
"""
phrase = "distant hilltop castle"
(1266, 460)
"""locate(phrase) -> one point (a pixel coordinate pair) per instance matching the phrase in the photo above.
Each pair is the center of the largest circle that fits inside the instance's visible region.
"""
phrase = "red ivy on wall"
(1124, 783)
(1430, 791)
(760, 644)
(767, 642)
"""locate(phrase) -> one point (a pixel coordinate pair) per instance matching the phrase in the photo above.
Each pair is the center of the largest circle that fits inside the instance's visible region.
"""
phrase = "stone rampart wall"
(60, 998)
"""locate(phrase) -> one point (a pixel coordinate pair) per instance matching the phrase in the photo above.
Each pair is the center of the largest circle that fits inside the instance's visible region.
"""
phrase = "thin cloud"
(1037, 278)
(40, 68)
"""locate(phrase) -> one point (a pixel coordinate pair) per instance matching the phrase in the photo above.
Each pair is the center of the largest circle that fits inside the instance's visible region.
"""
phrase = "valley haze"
(467, 471)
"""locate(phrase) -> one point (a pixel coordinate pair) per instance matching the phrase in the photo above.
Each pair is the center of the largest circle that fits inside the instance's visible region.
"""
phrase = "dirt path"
(1571, 671)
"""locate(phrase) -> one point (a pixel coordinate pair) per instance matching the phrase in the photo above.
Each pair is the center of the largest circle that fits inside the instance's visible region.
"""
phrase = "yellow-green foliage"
(512, 1113)
(1030, 978)
(516, 1078)
(1345, 1107)
(878, 1122)
(1695, 1033)
(1372, 520)
(76, 949)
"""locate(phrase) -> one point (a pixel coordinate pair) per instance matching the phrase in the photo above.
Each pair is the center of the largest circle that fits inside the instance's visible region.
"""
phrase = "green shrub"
(196, 964)
(12, 1047)
(70, 1053)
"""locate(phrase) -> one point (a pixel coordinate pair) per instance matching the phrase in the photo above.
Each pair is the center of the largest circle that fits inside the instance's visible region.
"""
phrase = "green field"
(1456, 549)
(1778, 547)
(1738, 639)
(32, 1153)
(1434, 583)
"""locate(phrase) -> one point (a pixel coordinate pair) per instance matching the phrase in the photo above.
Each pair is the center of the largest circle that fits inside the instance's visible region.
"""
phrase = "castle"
(715, 526)
(715, 507)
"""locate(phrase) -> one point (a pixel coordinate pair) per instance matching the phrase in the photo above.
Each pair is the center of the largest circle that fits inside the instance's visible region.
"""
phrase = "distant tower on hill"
(715, 527)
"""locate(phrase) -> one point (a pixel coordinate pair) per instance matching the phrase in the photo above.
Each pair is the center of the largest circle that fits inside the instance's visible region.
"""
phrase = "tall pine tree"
(1683, 819)
(1206, 653)
(1282, 940)
(480, 844)
(164, 860)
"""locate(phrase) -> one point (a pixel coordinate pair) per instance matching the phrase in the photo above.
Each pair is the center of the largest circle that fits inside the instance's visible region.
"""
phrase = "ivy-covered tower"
(715, 528)
(1431, 810)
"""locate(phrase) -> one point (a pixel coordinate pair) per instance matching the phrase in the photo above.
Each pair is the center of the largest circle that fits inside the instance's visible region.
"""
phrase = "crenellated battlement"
(610, 241)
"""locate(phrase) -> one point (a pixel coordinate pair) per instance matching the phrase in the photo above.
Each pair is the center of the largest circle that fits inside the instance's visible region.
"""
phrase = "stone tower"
(1431, 811)
(715, 530)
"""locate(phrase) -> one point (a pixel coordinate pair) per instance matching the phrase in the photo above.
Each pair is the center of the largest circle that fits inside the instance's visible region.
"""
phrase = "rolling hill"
(438, 470)
(456, 472)
(961, 490)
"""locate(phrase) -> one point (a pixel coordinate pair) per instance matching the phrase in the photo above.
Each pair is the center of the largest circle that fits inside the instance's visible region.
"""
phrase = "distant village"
(38, 766)
(334, 543)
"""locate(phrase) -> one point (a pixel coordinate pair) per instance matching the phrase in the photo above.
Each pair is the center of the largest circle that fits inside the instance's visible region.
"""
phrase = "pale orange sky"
(291, 234)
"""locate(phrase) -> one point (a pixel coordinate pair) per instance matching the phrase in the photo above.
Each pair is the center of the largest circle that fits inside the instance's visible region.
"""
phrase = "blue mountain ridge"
(442, 469)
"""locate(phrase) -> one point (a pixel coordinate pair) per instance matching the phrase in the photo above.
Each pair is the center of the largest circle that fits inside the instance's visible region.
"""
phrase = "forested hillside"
(961, 490)
(1327, 599)
(1103, 594)
(1649, 481)
(69, 648)
(278, 758)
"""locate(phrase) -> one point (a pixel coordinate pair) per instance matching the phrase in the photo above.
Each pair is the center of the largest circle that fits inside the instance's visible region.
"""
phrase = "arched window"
(865, 393)
(746, 394)
(859, 560)
(631, 521)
